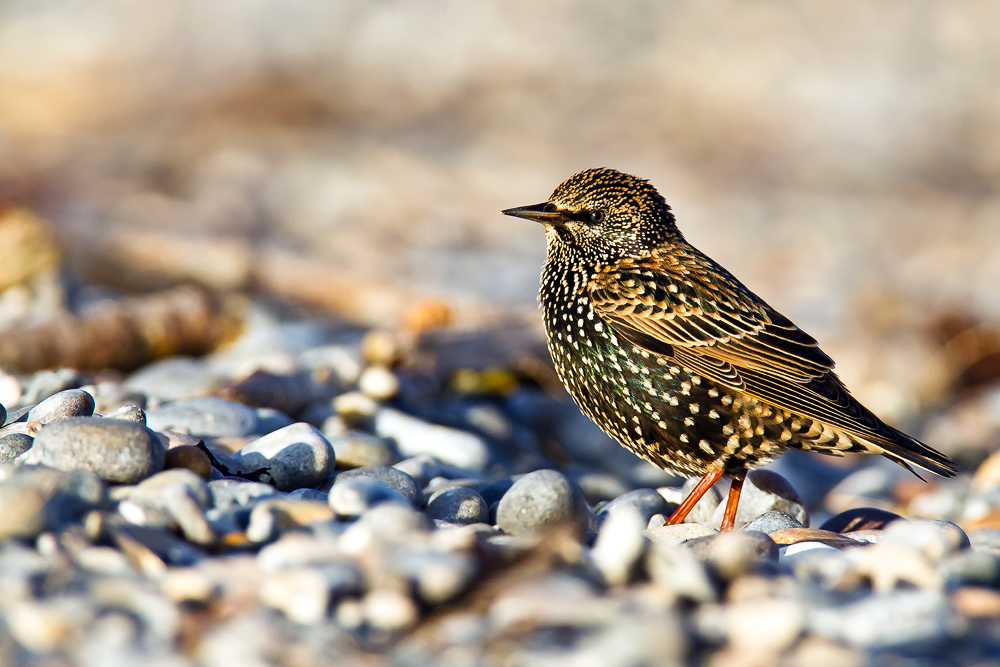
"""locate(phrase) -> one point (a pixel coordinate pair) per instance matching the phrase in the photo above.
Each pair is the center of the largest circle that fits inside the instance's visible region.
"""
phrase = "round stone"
(645, 502)
(128, 412)
(379, 383)
(353, 497)
(458, 505)
(22, 511)
(116, 451)
(860, 518)
(540, 501)
(772, 521)
(620, 543)
(358, 450)
(397, 479)
(735, 553)
(207, 417)
(68, 403)
(295, 456)
(190, 457)
(152, 489)
(13, 445)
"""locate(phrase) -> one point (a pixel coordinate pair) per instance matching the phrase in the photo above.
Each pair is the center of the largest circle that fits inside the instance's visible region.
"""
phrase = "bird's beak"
(542, 213)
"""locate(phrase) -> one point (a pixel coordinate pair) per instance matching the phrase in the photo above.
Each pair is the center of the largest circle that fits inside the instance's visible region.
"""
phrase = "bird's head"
(605, 214)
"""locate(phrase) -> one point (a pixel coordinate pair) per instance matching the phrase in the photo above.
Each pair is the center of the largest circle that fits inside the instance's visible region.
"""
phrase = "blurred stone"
(379, 383)
(353, 497)
(13, 445)
(356, 409)
(679, 532)
(22, 511)
(234, 492)
(735, 553)
(458, 505)
(540, 501)
(191, 458)
(389, 610)
(971, 568)
(932, 539)
(974, 602)
(302, 595)
(173, 379)
(645, 502)
(358, 450)
(903, 618)
(128, 412)
(620, 543)
(414, 436)
(677, 569)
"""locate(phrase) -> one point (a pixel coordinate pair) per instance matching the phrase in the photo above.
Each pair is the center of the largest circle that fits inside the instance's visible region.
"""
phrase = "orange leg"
(729, 518)
(697, 492)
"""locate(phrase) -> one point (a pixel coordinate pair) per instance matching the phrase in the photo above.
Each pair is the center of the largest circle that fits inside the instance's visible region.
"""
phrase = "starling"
(675, 358)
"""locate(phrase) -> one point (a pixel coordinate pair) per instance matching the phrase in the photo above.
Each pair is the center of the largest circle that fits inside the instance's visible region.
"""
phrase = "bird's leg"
(729, 518)
(697, 492)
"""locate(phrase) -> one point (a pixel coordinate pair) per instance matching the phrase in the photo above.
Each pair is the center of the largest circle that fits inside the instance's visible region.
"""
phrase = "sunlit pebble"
(379, 383)
(389, 610)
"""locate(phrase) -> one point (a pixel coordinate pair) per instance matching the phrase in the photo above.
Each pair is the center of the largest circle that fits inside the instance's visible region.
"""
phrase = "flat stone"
(295, 456)
(128, 412)
(459, 505)
(787, 536)
(735, 553)
(206, 417)
(151, 490)
(860, 518)
(540, 501)
(414, 436)
(191, 458)
(68, 403)
(971, 568)
(233, 492)
(116, 451)
(909, 618)
(397, 479)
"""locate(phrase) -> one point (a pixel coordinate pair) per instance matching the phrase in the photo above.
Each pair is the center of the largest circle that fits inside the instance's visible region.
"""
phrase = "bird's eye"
(595, 217)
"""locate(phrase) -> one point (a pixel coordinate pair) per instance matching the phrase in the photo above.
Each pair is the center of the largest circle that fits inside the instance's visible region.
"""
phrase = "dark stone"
(397, 479)
(860, 518)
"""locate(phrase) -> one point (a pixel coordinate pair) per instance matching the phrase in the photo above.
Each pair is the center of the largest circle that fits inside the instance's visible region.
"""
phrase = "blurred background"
(842, 159)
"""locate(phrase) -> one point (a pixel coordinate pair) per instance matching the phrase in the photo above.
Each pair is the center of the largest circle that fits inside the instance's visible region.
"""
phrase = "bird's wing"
(675, 305)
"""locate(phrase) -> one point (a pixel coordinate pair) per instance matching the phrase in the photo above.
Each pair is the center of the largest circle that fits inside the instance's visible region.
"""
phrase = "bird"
(673, 357)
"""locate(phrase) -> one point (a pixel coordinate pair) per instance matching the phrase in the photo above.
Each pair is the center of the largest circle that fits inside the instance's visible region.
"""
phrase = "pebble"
(389, 610)
(295, 456)
(735, 553)
(172, 379)
(359, 450)
(764, 491)
(459, 505)
(353, 497)
(392, 477)
(620, 543)
(22, 511)
(414, 436)
(861, 518)
(302, 595)
(436, 577)
(986, 539)
(116, 451)
(191, 458)
(48, 382)
(128, 412)
(151, 490)
(68, 403)
(932, 539)
(677, 569)
(679, 532)
(355, 409)
(540, 501)
(772, 521)
(645, 502)
(13, 445)
(914, 618)
(206, 417)
(310, 494)
(971, 567)
(235, 492)
(379, 383)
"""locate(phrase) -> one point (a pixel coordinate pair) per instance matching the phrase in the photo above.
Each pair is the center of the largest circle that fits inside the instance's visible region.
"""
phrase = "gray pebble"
(902, 618)
(3, 413)
(764, 491)
(645, 502)
(128, 412)
(270, 420)
(414, 436)
(358, 450)
(540, 501)
(22, 511)
(13, 445)
(68, 403)
(295, 456)
(438, 577)
(187, 511)
(114, 450)
(207, 417)
(151, 490)
(353, 497)
(971, 568)
(309, 494)
(234, 492)
(397, 479)
(772, 521)
(172, 379)
(46, 383)
(677, 569)
(458, 505)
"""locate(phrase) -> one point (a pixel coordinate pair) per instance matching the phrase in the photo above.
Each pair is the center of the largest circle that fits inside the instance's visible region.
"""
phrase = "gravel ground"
(393, 513)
